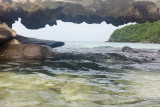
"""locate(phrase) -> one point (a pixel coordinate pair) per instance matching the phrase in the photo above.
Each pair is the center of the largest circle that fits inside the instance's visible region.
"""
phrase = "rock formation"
(11, 48)
(37, 13)
(26, 40)
(24, 51)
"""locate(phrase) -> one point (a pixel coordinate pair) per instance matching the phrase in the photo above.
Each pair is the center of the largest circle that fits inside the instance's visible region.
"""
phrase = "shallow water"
(77, 81)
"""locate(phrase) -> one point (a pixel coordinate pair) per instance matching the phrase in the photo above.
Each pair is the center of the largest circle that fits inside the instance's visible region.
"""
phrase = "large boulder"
(25, 51)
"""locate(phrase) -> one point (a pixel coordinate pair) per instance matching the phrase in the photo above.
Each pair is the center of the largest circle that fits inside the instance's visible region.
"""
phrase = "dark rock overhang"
(36, 14)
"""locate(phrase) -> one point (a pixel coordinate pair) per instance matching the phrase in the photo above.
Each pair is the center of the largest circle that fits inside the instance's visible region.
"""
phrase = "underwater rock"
(25, 51)
(27, 40)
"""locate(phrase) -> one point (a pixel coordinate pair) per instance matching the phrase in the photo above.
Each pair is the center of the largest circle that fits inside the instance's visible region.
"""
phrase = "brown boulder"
(25, 51)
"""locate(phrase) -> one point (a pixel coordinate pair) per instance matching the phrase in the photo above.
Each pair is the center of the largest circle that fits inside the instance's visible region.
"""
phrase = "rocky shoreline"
(126, 57)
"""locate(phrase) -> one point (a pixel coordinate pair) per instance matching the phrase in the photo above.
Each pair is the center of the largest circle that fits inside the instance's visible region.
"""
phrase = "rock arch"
(36, 14)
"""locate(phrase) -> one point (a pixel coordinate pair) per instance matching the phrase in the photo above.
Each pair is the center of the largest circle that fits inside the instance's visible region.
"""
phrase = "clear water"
(75, 81)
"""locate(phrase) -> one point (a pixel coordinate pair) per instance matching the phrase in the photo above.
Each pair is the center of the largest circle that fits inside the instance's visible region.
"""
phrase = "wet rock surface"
(145, 59)
(129, 50)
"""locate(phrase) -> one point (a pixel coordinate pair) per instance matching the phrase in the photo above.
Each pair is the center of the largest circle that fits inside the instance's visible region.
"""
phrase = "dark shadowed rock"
(129, 50)
(25, 51)
(6, 33)
(26, 40)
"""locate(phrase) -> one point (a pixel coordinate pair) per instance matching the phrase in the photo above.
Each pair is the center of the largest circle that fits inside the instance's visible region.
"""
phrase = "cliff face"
(37, 13)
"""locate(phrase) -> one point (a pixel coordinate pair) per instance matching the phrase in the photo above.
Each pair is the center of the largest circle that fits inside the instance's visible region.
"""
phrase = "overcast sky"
(66, 31)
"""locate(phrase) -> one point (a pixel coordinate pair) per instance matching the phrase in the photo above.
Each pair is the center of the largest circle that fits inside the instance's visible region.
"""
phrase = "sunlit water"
(77, 83)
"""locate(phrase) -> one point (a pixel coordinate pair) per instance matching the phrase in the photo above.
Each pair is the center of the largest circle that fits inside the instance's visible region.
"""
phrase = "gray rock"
(129, 50)
(26, 40)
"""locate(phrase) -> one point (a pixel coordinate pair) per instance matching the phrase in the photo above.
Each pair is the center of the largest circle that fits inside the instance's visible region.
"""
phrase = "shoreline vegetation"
(145, 42)
(132, 42)
(139, 33)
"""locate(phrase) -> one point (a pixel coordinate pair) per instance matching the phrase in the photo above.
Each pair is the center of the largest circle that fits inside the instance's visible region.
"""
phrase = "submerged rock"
(129, 50)
(25, 51)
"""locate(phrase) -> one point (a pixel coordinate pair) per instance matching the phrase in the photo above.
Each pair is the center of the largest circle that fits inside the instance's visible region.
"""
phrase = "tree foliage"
(146, 32)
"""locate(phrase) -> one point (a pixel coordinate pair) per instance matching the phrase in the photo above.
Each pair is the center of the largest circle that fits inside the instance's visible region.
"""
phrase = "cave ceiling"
(36, 14)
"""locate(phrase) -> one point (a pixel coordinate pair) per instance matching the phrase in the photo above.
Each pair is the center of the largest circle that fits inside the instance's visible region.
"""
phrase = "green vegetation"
(146, 32)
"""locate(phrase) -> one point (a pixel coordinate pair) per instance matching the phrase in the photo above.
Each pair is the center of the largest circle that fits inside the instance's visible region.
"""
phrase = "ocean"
(89, 44)
(83, 76)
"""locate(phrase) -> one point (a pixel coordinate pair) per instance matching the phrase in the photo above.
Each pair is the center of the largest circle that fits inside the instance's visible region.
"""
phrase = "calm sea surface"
(112, 44)
(76, 80)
